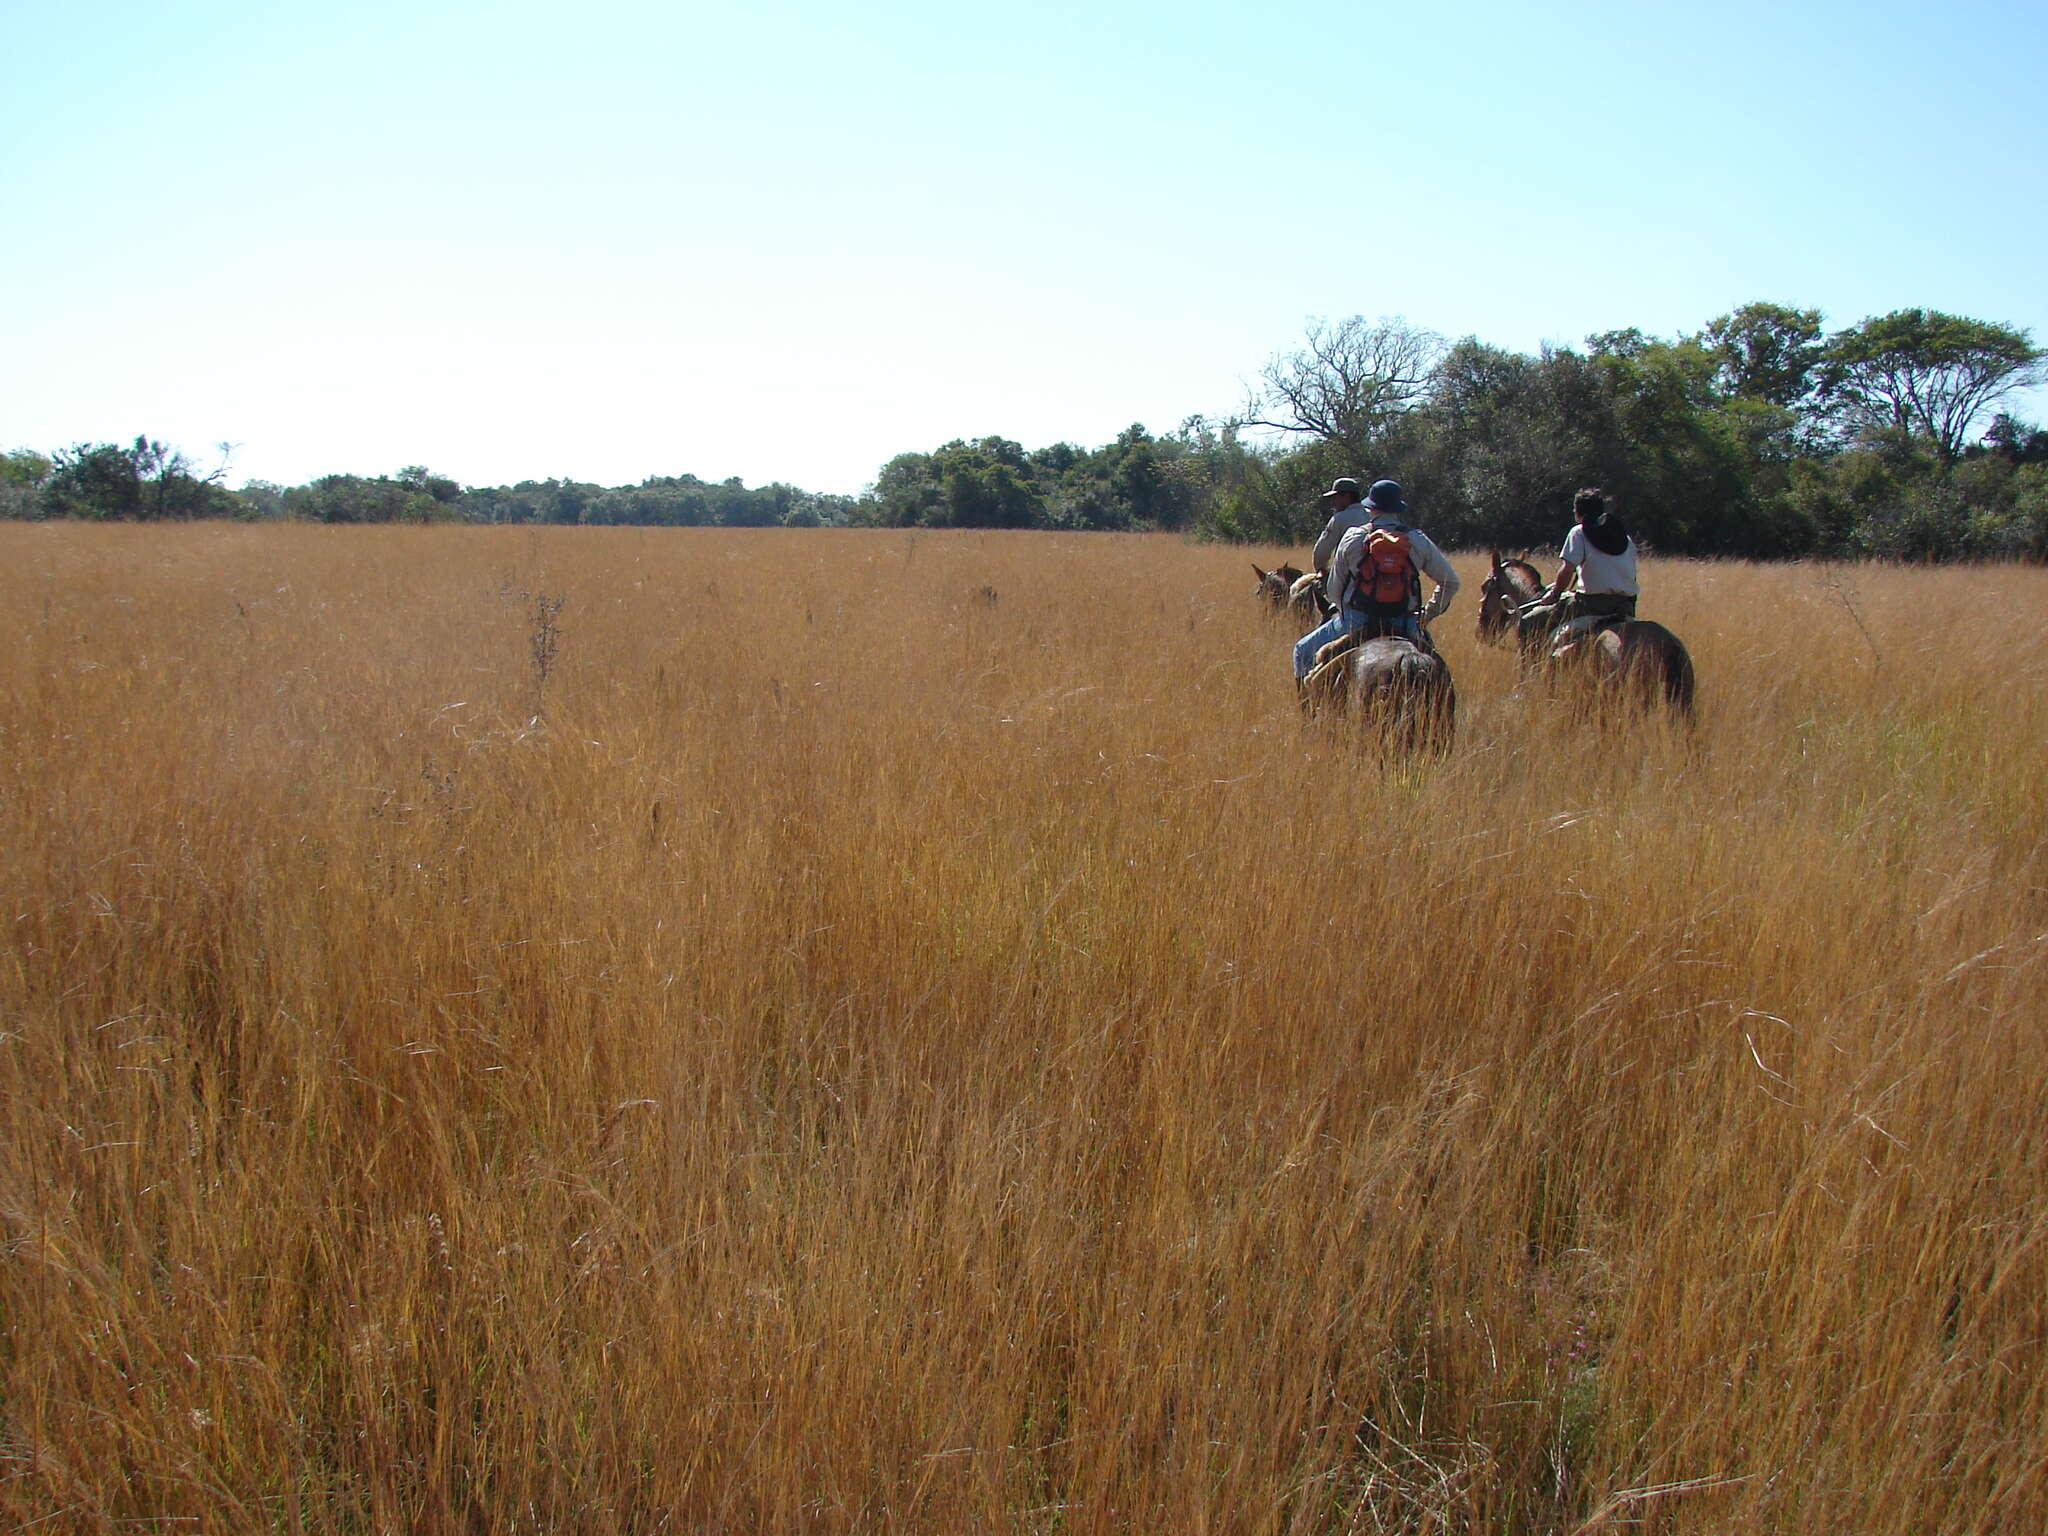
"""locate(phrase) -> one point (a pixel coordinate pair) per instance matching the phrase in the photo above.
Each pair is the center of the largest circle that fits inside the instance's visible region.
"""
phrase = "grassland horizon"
(632, 1030)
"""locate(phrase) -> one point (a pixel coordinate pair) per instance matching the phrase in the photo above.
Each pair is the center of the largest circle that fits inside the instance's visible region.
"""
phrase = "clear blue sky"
(615, 240)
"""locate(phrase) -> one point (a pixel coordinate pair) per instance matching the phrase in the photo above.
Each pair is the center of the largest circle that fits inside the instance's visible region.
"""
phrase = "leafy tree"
(1087, 505)
(365, 499)
(565, 501)
(1510, 440)
(1919, 372)
(99, 480)
(263, 498)
(1757, 436)
(663, 501)
(1667, 453)
(1238, 490)
(1142, 490)
(2013, 439)
(491, 504)
(1629, 343)
(1767, 352)
(763, 507)
(1834, 497)
(1507, 439)
(1057, 460)
(905, 494)
(2029, 517)
(985, 484)
(22, 473)
(146, 480)
(418, 477)
(812, 509)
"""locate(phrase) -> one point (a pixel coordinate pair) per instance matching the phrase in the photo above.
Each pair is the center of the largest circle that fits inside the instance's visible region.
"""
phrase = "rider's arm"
(1570, 558)
(1432, 563)
(1342, 565)
(1326, 543)
(1566, 574)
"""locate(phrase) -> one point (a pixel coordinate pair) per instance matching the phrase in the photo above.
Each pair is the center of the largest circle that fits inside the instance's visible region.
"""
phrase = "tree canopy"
(1921, 373)
(1761, 435)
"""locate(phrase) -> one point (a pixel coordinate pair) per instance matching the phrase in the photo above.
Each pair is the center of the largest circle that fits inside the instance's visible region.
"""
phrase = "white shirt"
(1422, 552)
(1600, 572)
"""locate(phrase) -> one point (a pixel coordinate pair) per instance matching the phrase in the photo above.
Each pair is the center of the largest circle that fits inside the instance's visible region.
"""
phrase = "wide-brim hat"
(1344, 487)
(1385, 496)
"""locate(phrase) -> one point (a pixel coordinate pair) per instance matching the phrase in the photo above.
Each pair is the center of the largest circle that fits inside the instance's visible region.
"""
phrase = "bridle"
(1495, 593)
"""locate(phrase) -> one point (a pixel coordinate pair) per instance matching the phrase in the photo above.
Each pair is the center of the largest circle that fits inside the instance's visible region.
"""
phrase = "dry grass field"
(628, 1030)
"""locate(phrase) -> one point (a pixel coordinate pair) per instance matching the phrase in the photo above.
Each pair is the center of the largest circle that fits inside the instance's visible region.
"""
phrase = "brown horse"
(1636, 659)
(1291, 592)
(1392, 685)
(1276, 586)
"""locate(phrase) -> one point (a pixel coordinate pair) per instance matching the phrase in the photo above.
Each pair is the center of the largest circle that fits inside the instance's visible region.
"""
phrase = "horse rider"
(1351, 570)
(1347, 511)
(1600, 557)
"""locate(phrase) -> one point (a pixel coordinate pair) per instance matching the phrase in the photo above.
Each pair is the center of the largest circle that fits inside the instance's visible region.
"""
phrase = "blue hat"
(1385, 496)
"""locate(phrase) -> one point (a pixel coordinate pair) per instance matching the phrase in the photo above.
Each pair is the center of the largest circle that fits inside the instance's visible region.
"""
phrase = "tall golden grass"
(911, 1032)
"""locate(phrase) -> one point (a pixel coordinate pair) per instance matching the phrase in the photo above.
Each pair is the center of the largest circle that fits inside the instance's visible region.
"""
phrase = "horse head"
(1508, 585)
(1276, 585)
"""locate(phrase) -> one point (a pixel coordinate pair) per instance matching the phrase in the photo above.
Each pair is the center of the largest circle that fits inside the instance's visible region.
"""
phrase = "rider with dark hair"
(1599, 554)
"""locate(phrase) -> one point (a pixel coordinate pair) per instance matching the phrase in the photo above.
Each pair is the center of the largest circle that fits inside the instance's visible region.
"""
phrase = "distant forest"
(1764, 435)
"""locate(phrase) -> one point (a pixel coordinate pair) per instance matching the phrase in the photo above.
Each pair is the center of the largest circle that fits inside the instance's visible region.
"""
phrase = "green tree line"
(1762, 435)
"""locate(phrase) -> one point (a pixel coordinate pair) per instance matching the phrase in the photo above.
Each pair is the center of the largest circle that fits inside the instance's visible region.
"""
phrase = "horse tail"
(1678, 679)
(1432, 703)
(1674, 673)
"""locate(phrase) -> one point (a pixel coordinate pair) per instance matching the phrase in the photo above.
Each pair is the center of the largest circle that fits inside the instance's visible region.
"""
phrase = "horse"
(1636, 659)
(1306, 602)
(1402, 688)
(1276, 587)
(1291, 592)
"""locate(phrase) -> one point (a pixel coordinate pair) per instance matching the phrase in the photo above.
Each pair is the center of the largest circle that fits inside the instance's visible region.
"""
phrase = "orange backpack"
(1386, 575)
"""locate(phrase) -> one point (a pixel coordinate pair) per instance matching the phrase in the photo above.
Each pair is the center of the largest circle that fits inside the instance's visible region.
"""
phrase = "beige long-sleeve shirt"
(1354, 516)
(1422, 550)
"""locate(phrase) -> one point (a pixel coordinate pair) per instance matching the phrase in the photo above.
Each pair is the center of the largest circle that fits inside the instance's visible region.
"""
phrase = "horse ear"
(1262, 574)
(1494, 555)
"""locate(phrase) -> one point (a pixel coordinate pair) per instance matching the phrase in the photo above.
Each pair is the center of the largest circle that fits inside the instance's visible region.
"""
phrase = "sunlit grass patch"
(811, 1046)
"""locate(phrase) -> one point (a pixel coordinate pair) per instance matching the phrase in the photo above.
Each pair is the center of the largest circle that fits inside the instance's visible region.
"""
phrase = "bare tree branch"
(1347, 379)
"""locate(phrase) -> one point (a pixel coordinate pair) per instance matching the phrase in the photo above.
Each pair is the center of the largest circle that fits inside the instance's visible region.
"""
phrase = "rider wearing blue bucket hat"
(1385, 508)
(1385, 497)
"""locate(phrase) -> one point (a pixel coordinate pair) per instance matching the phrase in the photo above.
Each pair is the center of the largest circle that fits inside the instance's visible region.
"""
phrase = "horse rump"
(1635, 661)
(1397, 694)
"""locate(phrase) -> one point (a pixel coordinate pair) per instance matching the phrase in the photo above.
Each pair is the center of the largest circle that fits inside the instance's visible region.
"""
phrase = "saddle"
(1371, 629)
(1566, 643)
